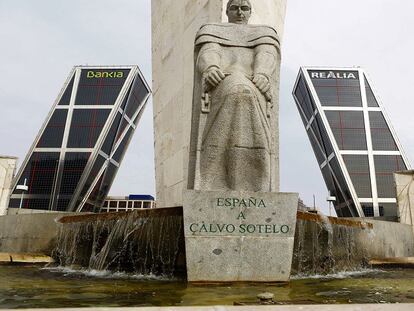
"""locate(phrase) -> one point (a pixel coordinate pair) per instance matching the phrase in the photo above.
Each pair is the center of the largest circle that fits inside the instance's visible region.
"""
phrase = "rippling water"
(35, 287)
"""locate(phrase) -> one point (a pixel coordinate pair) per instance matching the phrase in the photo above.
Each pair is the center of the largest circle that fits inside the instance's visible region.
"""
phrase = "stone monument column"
(174, 27)
(7, 171)
(238, 227)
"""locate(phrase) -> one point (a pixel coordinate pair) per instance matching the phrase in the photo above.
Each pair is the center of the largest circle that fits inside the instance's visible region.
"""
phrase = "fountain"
(142, 242)
(152, 242)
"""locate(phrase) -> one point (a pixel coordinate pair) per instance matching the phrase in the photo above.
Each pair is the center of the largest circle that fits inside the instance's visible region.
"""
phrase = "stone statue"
(234, 136)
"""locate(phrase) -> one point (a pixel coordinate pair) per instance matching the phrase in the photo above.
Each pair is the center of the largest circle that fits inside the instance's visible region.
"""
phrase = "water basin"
(36, 287)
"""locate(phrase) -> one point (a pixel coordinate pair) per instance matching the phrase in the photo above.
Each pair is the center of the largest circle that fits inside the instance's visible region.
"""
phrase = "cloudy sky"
(41, 40)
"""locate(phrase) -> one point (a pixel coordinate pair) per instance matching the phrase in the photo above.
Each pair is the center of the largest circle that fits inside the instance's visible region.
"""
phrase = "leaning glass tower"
(356, 148)
(73, 161)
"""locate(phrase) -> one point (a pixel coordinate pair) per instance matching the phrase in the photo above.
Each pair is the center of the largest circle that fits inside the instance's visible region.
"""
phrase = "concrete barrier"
(328, 244)
(29, 233)
(387, 239)
(321, 236)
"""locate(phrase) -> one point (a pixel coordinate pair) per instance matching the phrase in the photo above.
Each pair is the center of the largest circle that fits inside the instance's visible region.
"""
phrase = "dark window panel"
(38, 204)
(303, 118)
(40, 173)
(343, 205)
(119, 153)
(340, 178)
(100, 86)
(136, 98)
(300, 103)
(86, 127)
(368, 209)
(388, 209)
(340, 96)
(99, 163)
(88, 208)
(346, 119)
(381, 135)
(324, 136)
(358, 169)
(110, 138)
(125, 100)
(377, 120)
(73, 168)
(14, 203)
(124, 124)
(101, 189)
(318, 153)
(348, 128)
(344, 212)
(372, 102)
(97, 166)
(96, 192)
(107, 181)
(62, 205)
(65, 99)
(384, 186)
(96, 198)
(385, 167)
(349, 94)
(329, 181)
(337, 91)
(52, 136)
(304, 98)
(138, 118)
(348, 209)
(316, 129)
(350, 139)
(337, 187)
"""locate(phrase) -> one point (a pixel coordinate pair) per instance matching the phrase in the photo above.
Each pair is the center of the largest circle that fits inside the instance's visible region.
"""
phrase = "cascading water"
(324, 248)
(140, 242)
(152, 242)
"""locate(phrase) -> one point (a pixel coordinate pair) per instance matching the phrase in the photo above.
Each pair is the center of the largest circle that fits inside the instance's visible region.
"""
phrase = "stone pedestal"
(239, 236)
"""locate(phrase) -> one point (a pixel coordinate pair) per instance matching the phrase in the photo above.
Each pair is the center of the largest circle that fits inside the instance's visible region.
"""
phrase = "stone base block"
(239, 236)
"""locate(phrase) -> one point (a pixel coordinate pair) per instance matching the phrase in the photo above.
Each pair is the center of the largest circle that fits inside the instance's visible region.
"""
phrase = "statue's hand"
(261, 82)
(214, 76)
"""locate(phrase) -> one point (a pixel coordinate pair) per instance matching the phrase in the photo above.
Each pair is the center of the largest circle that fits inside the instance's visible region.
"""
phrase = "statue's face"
(239, 11)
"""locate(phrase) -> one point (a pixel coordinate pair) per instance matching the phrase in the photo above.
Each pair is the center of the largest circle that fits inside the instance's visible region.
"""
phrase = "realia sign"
(333, 75)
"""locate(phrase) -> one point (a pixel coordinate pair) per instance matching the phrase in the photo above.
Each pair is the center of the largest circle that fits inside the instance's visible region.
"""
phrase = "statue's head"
(239, 11)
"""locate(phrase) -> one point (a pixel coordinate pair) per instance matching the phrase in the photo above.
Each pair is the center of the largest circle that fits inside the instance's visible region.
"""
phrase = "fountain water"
(152, 242)
(325, 245)
(141, 242)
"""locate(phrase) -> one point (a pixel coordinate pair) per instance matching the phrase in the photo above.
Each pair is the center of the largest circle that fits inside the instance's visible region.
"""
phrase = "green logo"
(104, 74)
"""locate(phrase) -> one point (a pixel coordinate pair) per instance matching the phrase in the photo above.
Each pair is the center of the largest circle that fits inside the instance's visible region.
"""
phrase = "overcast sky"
(41, 40)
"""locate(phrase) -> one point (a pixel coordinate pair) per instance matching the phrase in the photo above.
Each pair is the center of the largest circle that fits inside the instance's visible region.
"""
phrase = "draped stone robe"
(234, 141)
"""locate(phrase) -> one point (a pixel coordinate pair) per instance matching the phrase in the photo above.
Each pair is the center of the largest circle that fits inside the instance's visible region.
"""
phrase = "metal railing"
(123, 205)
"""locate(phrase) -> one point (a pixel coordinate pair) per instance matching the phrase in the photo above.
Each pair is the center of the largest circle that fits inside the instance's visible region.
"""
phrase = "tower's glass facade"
(78, 151)
(354, 144)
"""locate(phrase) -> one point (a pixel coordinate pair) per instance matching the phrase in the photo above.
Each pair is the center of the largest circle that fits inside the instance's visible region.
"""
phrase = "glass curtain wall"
(78, 151)
(352, 139)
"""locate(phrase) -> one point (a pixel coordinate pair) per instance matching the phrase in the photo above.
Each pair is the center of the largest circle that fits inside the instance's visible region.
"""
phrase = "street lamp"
(330, 199)
(23, 188)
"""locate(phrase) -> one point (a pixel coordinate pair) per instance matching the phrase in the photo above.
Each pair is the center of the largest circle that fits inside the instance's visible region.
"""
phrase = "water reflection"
(34, 287)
